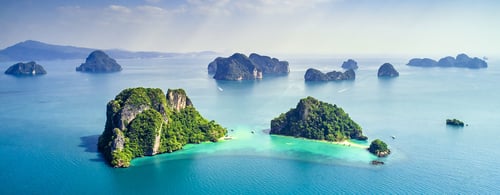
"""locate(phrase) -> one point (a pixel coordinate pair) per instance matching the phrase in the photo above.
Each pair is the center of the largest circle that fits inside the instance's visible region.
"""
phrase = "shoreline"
(345, 143)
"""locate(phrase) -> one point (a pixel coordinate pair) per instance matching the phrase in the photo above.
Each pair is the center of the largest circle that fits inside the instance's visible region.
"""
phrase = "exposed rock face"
(316, 75)
(461, 61)
(26, 69)
(145, 122)
(240, 67)
(236, 67)
(99, 62)
(270, 65)
(177, 99)
(387, 70)
(350, 64)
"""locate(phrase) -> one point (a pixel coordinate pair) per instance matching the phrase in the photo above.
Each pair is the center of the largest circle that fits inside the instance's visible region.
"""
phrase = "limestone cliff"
(99, 62)
(240, 67)
(145, 121)
(316, 75)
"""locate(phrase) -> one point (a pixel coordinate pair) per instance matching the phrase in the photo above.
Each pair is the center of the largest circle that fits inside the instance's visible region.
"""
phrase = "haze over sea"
(50, 125)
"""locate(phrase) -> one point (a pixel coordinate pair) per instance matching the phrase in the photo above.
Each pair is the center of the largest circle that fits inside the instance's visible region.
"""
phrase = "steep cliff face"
(26, 69)
(99, 62)
(270, 65)
(177, 99)
(145, 122)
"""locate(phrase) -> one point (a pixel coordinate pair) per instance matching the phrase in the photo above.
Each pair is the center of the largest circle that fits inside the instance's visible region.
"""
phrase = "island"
(460, 61)
(379, 148)
(316, 75)
(314, 119)
(145, 122)
(350, 64)
(240, 67)
(454, 122)
(26, 69)
(387, 71)
(99, 62)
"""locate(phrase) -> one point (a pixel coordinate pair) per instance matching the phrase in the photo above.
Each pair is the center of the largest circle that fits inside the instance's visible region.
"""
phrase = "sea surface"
(49, 127)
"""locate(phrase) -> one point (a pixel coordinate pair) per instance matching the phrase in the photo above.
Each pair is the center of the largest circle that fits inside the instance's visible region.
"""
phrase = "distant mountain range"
(35, 50)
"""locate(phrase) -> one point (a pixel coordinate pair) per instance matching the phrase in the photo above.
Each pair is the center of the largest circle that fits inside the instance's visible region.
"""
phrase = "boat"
(220, 89)
(393, 137)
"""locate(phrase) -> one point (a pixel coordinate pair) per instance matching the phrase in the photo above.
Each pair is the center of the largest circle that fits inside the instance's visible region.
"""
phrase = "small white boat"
(393, 137)
(220, 89)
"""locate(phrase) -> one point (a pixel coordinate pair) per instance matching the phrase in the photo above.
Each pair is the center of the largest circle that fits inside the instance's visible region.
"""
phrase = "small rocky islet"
(99, 62)
(387, 70)
(26, 69)
(316, 75)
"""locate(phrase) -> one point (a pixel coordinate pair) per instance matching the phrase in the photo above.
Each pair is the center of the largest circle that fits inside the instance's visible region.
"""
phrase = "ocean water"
(49, 127)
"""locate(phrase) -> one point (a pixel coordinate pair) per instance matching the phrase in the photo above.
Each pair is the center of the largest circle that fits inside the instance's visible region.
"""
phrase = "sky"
(326, 27)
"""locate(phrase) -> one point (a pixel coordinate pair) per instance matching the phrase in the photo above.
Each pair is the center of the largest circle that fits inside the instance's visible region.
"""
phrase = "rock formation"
(387, 70)
(236, 67)
(379, 148)
(350, 64)
(26, 69)
(99, 62)
(316, 75)
(145, 121)
(240, 67)
(461, 61)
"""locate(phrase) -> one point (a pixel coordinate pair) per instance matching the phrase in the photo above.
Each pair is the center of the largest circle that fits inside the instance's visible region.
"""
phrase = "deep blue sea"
(49, 127)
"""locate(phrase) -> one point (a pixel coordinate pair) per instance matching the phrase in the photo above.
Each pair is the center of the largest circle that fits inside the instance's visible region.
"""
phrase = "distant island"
(461, 61)
(455, 122)
(387, 70)
(99, 62)
(145, 121)
(240, 67)
(26, 69)
(35, 50)
(350, 64)
(316, 75)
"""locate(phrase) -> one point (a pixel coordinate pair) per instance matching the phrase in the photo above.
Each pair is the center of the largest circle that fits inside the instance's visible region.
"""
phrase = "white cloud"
(153, 1)
(119, 8)
(151, 9)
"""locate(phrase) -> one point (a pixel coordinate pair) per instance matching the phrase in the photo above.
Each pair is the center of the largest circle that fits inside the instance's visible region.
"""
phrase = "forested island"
(316, 75)
(26, 69)
(145, 121)
(387, 70)
(240, 67)
(314, 119)
(461, 61)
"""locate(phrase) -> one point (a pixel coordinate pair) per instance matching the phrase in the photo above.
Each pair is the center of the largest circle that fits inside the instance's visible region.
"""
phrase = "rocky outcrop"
(316, 75)
(461, 61)
(379, 148)
(177, 99)
(350, 64)
(26, 69)
(270, 65)
(236, 67)
(377, 162)
(145, 122)
(99, 62)
(240, 67)
(387, 70)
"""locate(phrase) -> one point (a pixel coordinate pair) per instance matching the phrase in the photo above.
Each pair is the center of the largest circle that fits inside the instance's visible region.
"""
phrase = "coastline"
(345, 143)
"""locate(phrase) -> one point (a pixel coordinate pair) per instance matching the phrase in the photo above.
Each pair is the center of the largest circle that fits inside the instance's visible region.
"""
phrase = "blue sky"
(265, 26)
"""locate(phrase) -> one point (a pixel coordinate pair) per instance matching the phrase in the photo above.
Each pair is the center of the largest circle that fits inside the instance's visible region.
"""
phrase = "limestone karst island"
(145, 122)
(314, 119)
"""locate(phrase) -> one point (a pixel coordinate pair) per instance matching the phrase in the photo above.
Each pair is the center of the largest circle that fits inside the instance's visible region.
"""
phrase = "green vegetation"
(379, 148)
(314, 119)
(154, 127)
(455, 122)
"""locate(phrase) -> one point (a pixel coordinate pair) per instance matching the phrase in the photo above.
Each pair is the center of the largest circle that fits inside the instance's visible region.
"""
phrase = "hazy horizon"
(318, 27)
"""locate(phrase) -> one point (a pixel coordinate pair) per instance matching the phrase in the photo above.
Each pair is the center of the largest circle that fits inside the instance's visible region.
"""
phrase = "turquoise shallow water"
(49, 128)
